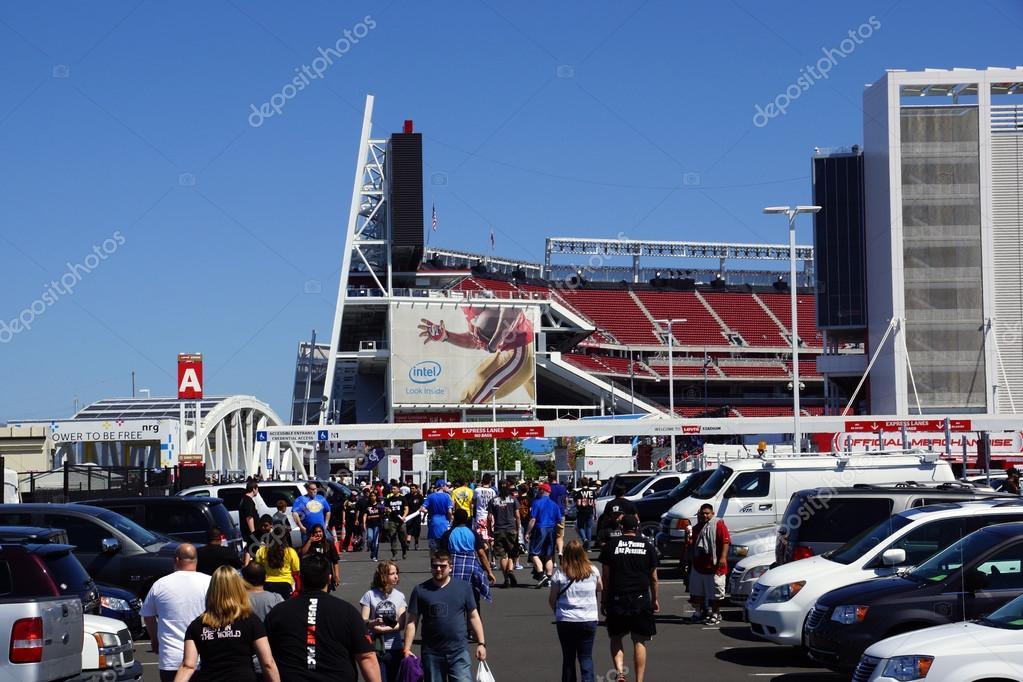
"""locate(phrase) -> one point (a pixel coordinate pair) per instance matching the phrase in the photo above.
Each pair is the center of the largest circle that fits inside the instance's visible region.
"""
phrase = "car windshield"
(939, 566)
(867, 540)
(689, 484)
(1009, 616)
(713, 484)
(638, 488)
(134, 531)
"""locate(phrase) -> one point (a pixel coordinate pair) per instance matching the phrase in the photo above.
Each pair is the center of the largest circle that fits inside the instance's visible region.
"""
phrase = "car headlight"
(115, 604)
(907, 668)
(848, 615)
(755, 572)
(108, 643)
(784, 592)
(739, 550)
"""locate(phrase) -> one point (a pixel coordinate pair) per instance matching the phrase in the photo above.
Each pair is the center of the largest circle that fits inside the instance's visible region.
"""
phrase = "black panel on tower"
(405, 165)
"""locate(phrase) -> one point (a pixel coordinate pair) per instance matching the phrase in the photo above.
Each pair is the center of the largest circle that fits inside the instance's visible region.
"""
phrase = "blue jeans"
(446, 667)
(373, 541)
(576, 642)
(584, 526)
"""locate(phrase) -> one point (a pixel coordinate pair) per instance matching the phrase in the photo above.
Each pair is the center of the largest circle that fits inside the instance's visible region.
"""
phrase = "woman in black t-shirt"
(372, 517)
(226, 635)
(319, 543)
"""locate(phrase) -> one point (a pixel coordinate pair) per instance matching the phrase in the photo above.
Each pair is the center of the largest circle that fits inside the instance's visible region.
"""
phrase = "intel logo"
(425, 372)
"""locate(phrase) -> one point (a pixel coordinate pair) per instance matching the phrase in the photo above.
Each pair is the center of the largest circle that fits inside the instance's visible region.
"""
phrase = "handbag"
(483, 673)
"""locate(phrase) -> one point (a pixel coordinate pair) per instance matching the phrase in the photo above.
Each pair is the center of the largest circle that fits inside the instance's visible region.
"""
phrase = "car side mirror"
(109, 545)
(893, 557)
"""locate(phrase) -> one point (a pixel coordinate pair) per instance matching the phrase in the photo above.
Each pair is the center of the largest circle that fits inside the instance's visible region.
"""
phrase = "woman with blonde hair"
(575, 598)
(383, 609)
(226, 635)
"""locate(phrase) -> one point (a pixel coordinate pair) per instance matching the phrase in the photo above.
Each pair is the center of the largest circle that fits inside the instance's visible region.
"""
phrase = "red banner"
(189, 376)
(912, 425)
(471, 432)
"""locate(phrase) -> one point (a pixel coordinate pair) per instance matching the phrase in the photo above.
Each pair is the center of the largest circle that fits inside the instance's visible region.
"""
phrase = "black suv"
(968, 580)
(183, 518)
(112, 548)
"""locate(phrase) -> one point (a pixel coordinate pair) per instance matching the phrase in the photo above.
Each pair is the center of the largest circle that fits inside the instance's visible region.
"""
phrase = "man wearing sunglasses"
(444, 606)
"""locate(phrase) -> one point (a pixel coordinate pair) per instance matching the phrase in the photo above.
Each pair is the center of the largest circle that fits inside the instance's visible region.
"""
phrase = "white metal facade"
(893, 173)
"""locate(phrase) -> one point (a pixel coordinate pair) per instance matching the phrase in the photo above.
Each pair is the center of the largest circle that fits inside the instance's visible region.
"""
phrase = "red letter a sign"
(189, 376)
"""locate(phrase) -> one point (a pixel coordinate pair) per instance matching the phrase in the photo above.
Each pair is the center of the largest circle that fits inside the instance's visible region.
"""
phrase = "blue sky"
(129, 161)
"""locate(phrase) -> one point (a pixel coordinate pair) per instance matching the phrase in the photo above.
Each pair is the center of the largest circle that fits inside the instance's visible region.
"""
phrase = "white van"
(754, 492)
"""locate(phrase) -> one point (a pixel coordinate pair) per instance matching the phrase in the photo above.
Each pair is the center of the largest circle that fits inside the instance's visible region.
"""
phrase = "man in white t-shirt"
(173, 602)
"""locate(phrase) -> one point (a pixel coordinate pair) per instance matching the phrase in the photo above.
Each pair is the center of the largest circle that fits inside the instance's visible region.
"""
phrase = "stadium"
(692, 330)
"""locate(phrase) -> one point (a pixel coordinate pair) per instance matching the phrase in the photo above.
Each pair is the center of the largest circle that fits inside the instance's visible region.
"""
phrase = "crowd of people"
(267, 615)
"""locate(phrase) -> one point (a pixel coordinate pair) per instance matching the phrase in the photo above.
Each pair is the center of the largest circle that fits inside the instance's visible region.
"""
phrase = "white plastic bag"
(483, 673)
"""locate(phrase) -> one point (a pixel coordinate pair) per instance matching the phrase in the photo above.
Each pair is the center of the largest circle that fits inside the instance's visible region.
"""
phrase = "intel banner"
(459, 354)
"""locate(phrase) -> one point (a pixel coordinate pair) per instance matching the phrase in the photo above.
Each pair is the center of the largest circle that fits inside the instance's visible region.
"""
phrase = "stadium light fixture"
(791, 212)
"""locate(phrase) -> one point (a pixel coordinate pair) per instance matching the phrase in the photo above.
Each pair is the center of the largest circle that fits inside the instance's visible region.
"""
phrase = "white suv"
(783, 597)
(986, 649)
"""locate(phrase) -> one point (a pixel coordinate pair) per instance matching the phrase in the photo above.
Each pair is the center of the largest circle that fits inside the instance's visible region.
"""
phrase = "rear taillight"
(27, 640)
(801, 553)
(223, 539)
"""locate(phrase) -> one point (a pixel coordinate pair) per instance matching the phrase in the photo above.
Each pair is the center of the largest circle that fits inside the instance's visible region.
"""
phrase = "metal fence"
(77, 482)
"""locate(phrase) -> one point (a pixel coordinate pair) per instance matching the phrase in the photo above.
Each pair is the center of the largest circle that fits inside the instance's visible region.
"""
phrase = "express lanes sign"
(912, 425)
(472, 432)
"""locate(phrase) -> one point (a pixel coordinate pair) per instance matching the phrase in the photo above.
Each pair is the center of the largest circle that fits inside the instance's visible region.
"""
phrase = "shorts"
(631, 614)
(559, 530)
(506, 544)
(541, 542)
(709, 586)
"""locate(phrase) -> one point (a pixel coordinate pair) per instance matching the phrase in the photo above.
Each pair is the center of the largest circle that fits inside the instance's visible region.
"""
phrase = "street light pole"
(632, 383)
(791, 213)
(671, 379)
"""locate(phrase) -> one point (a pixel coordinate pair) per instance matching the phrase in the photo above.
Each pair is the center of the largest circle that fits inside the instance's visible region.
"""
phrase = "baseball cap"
(440, 483)
(544, 487)
(630, 522)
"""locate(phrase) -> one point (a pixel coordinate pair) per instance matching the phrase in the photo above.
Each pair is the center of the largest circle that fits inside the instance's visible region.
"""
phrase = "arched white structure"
(225, 435)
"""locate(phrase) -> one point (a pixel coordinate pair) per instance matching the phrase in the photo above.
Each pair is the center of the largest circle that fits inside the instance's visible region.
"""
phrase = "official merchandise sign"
(462, 354)
(1002, 444)
(189, 376)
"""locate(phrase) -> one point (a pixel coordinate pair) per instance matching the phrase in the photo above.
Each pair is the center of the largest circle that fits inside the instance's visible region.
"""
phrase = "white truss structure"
(367, 237)
(638, 248)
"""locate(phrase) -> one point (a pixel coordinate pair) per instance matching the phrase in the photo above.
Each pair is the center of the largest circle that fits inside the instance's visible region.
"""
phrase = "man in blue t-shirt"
(311, 509)
(444, 605)
(544, 517)
(559, 496)
(438, 505)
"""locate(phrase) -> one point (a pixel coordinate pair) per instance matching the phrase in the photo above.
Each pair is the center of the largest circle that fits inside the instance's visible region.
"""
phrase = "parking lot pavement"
(522, 642)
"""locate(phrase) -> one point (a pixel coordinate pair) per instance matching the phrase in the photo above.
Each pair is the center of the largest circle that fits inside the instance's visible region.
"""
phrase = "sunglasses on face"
(438, 567)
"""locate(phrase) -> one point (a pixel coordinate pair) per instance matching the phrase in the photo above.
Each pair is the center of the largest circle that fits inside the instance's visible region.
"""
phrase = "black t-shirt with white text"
(584, 498)
(315, 637)
(223, 652)
(505, 511)
(395, 506)
(630, 558)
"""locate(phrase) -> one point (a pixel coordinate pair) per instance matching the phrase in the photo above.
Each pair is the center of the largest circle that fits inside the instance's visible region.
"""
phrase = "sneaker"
(404, 556)
(506, 582)
(518, 566)
(543, 582)
(512, 580)
(621, 678)
(693, 619)
(712, 619)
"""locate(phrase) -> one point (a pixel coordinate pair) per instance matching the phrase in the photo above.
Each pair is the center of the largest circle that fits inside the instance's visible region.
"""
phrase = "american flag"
(433, 218)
